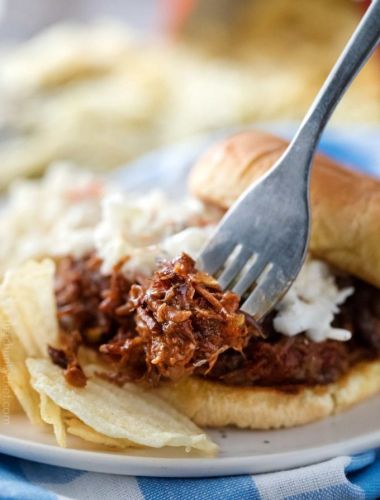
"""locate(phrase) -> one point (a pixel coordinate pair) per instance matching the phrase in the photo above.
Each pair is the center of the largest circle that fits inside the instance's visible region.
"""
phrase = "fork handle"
(358, 49)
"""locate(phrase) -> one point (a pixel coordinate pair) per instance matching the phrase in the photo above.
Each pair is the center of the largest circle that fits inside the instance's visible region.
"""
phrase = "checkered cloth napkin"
(343, 478)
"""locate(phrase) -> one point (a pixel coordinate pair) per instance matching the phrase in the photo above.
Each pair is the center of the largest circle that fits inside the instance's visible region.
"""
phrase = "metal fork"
(260, 244)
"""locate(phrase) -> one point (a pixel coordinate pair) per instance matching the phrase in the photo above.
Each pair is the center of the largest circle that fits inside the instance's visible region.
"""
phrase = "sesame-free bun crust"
(212, 404)
(345, 204)
(345, 232)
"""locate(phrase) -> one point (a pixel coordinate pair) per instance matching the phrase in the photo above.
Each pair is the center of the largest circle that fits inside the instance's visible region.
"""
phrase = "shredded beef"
(285, 361)
(67, 359)
(181, 323)
(79, 291)
(364, 307)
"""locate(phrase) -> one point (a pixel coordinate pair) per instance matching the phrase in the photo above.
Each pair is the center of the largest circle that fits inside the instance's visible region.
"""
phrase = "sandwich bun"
(345, 233)
(345, 204)
(213, 404)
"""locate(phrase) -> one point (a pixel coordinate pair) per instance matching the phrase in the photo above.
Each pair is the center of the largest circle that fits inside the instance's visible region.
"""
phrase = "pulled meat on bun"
(178, 333)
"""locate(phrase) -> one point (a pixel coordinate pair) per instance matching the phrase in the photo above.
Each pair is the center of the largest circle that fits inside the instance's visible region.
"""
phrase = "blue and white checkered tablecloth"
(340, 478)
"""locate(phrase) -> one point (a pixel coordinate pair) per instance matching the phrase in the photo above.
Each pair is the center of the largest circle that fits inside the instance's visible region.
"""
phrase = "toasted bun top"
(345, 204)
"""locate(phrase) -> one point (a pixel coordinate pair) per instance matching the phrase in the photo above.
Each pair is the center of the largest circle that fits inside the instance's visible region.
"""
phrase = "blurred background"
(99, 83)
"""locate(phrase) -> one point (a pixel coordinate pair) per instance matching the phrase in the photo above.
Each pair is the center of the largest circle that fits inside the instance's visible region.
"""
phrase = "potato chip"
(52, 414)
(77, 428)
(38, 409)
(18, 378)
(27, 299)
(8, 401)
(120, 413)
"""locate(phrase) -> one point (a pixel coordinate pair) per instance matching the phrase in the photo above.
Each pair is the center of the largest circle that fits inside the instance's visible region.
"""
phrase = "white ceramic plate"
(241, 452)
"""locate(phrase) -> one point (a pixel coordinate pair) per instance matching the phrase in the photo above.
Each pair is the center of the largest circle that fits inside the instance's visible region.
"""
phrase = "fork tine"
(250, 276)
(215, 255)
(266, 293)
(234, 265)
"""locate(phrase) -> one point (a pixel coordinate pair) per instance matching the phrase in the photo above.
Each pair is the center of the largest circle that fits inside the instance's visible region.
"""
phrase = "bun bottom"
(212, 404)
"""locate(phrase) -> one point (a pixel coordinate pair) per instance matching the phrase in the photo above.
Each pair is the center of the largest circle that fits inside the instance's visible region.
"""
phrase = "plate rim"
(131, 465)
